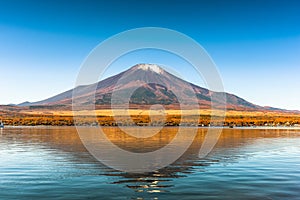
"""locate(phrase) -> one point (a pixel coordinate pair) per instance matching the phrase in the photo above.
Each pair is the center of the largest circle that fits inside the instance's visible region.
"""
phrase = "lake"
(52, 163)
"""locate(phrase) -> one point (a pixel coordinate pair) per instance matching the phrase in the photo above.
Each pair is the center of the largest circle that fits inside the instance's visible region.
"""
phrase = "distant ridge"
(26, 103)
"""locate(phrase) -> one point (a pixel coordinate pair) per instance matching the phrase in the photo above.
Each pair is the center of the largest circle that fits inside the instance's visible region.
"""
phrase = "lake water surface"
(52, 163)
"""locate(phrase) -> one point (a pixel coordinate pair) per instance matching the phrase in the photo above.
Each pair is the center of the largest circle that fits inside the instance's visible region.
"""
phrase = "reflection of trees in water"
(230, 148)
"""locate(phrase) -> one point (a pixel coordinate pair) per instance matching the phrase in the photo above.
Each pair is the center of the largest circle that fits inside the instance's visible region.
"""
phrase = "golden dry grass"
(122, 112)
(150, 117)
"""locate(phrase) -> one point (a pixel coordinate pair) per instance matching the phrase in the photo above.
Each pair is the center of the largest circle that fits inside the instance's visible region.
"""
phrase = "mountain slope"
(147, 84)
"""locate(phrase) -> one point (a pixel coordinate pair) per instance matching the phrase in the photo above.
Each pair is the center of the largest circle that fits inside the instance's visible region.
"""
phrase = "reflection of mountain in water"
(230, 148)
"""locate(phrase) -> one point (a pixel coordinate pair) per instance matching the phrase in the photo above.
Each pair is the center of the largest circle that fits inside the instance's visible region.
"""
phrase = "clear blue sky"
(255, 44)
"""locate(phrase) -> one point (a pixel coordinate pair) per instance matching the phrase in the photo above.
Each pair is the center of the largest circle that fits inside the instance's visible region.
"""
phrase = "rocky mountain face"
(144, 85)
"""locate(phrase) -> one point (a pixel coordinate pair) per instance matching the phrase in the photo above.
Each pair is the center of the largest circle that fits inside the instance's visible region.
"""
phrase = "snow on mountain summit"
(151, 67)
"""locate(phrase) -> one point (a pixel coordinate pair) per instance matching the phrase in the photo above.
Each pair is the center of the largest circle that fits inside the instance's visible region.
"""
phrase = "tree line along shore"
(146, 120)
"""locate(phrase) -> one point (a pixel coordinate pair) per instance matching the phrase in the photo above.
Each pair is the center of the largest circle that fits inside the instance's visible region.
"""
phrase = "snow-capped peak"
(152, 67)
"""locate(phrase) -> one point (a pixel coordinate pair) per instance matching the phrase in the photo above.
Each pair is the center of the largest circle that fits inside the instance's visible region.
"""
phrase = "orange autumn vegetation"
(142, 117)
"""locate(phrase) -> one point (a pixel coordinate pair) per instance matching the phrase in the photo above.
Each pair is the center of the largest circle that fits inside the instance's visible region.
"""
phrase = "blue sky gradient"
(255, 44)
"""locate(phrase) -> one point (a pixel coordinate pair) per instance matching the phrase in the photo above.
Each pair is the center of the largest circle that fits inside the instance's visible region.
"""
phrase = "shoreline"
(172, 118)
(197, 127)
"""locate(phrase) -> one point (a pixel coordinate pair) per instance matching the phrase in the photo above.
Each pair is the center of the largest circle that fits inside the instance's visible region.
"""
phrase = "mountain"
(26, 103)
(147, 84)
